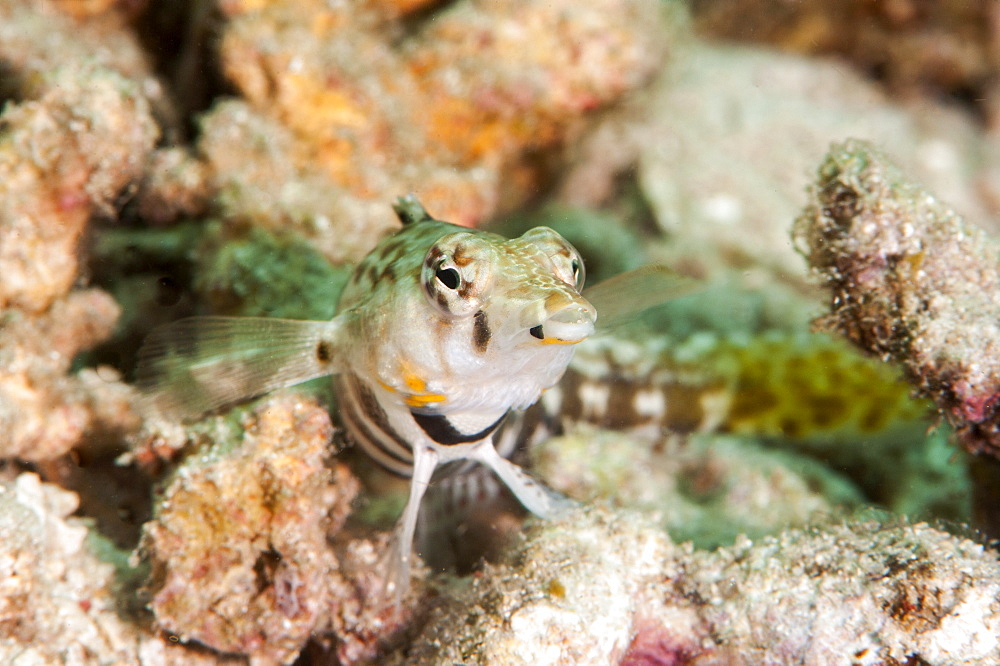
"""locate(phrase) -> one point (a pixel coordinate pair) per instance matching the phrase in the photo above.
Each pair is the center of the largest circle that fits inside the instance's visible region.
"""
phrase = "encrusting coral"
(64, 156)
(44, 412)
(39, 37)
(335, 109)
(911, 282)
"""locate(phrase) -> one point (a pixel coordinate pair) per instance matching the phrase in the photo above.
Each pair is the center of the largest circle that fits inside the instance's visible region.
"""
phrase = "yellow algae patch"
(800, 388)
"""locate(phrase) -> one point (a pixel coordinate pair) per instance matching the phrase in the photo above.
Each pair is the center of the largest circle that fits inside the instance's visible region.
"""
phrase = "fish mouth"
(568, 326)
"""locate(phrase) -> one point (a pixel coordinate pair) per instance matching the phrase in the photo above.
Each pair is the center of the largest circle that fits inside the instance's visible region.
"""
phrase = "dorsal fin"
(410, 211)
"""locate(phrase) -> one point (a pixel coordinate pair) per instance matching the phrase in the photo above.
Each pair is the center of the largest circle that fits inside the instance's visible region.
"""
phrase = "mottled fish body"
(440, 332)
(459, 326)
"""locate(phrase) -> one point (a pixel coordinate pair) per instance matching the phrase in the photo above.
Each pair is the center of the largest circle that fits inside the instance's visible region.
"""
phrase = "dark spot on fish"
(536, 332)
(389, 273)
(398, 253)
(481, 333)
(323, 351)
(684, 411)
(432, 256)
(443, 303)
(371, 273)
(459, 256)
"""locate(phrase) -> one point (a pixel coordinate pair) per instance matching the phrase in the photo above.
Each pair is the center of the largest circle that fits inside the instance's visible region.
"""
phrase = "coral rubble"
(910, 281)
(708, 489)
(337, 120)
(112, 221)
(239, 544)
(604, 588)
(43, 412)
(915, 48)
(63, 157)
(60, 601)
(766, 116)
(39, 37)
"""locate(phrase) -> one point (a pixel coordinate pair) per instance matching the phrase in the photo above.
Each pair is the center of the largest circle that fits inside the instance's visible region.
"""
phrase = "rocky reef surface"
(911, 282)
(159, 160)
(609, 588)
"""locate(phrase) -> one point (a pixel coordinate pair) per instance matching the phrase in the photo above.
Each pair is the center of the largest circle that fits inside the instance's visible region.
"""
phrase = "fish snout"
(571, 322)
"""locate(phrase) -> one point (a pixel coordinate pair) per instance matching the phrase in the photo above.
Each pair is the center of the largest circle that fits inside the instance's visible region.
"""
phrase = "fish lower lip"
(557, 341)
(567, 326)
(560, 336)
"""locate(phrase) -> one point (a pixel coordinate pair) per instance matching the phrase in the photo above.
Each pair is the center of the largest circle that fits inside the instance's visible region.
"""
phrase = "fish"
(441, 333)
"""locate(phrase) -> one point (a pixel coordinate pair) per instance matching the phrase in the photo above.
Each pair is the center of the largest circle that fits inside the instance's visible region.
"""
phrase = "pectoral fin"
(202, 363)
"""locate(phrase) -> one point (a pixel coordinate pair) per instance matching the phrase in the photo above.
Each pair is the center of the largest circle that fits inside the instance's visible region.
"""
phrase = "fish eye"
(457, 274)
(577, 269)
(565, 260)
(449, 277)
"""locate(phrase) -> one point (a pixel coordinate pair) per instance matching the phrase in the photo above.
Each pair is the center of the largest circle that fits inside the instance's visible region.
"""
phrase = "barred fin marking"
(621, 298)
(199, 364)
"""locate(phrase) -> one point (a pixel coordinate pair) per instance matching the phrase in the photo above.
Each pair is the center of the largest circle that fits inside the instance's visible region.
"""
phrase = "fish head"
(513, 306)
(528, 288)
